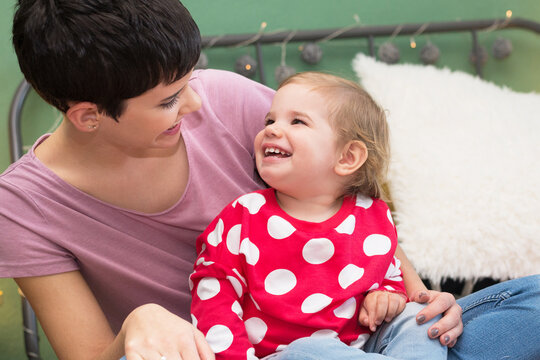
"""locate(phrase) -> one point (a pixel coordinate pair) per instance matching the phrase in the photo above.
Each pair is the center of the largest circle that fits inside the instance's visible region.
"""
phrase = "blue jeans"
(500, 322)
(401, 339)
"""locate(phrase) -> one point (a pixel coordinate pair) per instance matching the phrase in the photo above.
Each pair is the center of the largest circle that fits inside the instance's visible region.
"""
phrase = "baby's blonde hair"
(354, 115)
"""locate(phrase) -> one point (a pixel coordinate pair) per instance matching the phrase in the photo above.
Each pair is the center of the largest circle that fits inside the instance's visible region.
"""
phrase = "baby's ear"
(353, 155)
(84, 116)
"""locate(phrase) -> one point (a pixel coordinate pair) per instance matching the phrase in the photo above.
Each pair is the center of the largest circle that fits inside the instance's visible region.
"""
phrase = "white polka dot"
(360, 342)
(250, 251)
(281, 347)
(194, 321)
(326, 333)
(219, 338)
(349, 275)
(389, 215)
(374, 286)
(233, 239)
(254, 302)
(253, 202)
(208, 288)
(377, 244)
(216, 236)
(388, 287)
(239, 276)
(347, 309)
(318, 251)
(279, 282)
(347, 226)
(250, 354)
(364, 201)
(237, 309)
(203, 247)
(393, 273)
(314, 303)
(199, 261)
(236, 285)
(256, 329)
(279, 228)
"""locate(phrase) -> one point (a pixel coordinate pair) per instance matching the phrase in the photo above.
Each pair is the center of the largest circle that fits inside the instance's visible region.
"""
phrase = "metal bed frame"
(30, 326)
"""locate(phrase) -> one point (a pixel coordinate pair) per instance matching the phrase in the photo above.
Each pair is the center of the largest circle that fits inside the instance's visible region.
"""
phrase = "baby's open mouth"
(272, 151)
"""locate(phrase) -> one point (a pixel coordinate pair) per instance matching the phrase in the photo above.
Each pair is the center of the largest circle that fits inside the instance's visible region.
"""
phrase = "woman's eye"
(268, 122)
(298, 121)
(170, 104)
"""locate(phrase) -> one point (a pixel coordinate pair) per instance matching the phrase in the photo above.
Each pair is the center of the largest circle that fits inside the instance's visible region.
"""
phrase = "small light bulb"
(508, 13)
(248, 67)
(413, 44)
(263, 24)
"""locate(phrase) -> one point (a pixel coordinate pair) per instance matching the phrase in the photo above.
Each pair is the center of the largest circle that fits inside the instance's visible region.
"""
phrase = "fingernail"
(420, 319)
(422, 294)
(446, 339)
(434, 332)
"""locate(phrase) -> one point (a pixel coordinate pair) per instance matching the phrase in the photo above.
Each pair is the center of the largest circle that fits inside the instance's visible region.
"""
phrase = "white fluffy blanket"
(465, 170)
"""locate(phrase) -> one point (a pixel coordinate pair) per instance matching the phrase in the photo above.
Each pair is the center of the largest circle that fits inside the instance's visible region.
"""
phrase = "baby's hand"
(379, 306)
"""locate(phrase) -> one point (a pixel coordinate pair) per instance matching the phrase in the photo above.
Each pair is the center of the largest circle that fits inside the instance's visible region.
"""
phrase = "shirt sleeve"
(219, 288)
(242, 104)
(27, 246)
(392, 279)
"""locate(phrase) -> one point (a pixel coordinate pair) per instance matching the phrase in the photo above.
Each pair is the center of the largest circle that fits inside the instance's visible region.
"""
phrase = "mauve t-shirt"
(130, 258)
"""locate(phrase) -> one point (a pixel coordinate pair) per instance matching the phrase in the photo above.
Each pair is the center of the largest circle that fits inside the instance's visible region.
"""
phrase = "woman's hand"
(450, 327)
(151, 332)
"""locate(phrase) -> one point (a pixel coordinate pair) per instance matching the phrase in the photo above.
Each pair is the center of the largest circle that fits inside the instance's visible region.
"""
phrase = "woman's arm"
(77, 328)
(450, 327)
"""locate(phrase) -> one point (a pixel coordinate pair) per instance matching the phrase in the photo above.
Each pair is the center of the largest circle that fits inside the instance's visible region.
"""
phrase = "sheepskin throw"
(464, 176)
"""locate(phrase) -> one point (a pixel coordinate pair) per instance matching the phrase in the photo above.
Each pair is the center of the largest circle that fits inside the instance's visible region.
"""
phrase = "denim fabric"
(501, 322)
(401, 339)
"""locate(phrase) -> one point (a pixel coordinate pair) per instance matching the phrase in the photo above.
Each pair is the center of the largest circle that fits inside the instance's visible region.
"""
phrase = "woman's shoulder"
(226, 84)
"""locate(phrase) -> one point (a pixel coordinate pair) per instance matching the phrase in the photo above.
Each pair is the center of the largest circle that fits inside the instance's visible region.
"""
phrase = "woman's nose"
(191, 103)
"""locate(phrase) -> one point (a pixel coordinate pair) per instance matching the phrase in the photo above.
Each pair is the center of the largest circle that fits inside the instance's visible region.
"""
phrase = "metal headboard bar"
(375, 31)
(14, 124)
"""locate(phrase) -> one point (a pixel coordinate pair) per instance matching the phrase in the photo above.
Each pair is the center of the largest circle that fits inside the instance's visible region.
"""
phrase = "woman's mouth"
(174, 128)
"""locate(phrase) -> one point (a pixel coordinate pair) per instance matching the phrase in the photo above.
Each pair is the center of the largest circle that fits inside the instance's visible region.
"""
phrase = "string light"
(388, 52)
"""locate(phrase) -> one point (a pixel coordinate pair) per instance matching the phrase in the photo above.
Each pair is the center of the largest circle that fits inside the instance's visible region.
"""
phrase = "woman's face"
(152, 120)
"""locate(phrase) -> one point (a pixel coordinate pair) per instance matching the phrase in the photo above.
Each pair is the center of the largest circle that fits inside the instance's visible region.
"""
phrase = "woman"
(100, 218)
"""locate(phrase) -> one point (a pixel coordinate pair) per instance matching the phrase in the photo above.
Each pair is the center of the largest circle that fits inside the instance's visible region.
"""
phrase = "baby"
(313, 255)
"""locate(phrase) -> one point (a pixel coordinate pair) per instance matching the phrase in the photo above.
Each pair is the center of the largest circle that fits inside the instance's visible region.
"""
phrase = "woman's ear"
(353, 155)
(84, 116)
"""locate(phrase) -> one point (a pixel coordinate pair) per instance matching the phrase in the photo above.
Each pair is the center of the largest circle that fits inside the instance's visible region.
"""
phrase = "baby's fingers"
(363, 317)
(376, 318)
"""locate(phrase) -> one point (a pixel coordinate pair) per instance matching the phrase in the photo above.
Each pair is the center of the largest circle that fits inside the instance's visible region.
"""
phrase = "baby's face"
(297, 149)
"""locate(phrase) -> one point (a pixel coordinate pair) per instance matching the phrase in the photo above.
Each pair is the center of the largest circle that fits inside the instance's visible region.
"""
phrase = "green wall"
(217, 17)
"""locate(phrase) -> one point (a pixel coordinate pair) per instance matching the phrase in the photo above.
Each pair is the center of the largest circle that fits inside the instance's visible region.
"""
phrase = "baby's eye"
(298, 121)
(268, 122)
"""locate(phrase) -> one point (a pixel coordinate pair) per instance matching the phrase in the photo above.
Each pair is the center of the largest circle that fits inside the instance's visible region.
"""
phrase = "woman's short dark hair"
(103, 51)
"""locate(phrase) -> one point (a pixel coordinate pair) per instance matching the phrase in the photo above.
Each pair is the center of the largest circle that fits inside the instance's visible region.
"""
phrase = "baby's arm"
(219, 289)
(385, 302)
